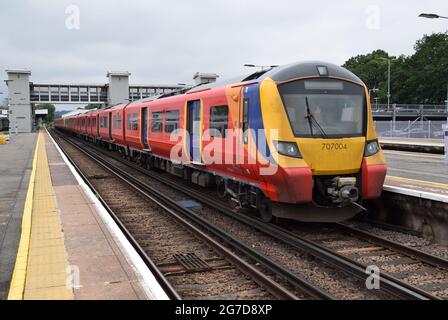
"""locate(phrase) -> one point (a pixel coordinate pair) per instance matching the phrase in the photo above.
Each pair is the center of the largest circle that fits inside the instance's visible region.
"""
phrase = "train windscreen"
(324, 108)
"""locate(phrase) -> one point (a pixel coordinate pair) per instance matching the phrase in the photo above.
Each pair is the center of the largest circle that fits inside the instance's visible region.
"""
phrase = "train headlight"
(372, 148)
(289, 149)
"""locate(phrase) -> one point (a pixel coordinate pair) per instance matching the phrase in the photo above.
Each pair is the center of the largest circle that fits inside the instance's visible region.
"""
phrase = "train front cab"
(324, 172)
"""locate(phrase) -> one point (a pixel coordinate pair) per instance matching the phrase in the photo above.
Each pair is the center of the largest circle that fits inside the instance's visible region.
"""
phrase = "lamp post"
(431, 16)
(259, 66)
(445, 130)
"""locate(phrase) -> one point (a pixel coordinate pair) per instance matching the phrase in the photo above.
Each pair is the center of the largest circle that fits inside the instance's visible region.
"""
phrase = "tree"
(419, 78)
(51, 109)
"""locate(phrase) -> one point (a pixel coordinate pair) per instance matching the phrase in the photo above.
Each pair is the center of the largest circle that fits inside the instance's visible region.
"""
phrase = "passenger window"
(156, 122)
(134, 124)
(219, 120)
(171, 120)
(128, 122)
(119, 121)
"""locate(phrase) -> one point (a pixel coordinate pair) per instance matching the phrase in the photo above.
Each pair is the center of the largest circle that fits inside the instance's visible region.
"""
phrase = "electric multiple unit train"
(297, 141)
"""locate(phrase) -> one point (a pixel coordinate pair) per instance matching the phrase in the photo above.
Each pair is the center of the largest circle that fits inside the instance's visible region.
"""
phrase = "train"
(4, 124)
(296, 141)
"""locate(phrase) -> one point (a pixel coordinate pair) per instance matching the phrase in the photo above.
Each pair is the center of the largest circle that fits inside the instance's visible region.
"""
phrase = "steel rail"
(394, 246)
(390, 284)
(173, 208)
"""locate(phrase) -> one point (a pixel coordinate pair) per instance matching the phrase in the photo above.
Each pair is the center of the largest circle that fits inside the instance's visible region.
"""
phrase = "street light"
(259, 66)
(431, 16)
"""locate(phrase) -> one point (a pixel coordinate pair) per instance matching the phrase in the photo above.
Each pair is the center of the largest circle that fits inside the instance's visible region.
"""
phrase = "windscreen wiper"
(312, 120)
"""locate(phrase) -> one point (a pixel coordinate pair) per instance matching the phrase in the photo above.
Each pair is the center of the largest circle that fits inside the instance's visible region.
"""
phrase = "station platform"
(417, 174)
(413, 145)
(69, 248)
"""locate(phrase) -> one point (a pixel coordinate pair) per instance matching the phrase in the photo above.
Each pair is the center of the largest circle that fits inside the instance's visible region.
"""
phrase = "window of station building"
(219, 121)
(64, 94)
(93, 94)
(54, 93)
(83, 94)
(156, 122)
(74, 94)
(171, 120)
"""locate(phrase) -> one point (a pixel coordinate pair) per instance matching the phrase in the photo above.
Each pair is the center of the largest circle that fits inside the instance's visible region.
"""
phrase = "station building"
(24, 94)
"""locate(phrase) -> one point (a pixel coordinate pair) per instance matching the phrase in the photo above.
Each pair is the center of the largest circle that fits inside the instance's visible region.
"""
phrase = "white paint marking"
(148, 281)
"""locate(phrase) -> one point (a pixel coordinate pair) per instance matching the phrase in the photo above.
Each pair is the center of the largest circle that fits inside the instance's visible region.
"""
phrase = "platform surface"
(15, 167)
(412, 141)
(418, 171)
(71, 252)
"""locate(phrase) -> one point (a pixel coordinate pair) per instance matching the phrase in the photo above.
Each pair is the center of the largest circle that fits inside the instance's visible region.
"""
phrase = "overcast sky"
(167, 41)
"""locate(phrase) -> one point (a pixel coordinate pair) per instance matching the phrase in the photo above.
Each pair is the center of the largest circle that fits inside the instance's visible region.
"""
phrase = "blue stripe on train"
(256, 120)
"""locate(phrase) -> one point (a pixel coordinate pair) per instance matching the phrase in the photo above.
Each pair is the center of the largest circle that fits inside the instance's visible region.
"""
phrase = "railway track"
(420, 269)
(389, 284)
(186, 260)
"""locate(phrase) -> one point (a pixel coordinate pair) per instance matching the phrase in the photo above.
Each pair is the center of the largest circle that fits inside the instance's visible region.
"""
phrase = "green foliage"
(51, 109)
(419, 78)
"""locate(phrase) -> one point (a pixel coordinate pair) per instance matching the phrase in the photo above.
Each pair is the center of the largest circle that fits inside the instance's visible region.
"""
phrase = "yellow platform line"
(418, 182)
(41, 266)
(17, 286)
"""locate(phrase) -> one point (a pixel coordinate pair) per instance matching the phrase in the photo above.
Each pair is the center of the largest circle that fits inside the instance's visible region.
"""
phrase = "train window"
(219, 121)
(104, 122)
(156, 121)
(119, 121)
(324, 108)
(131, 121)
(94, 122)
(114, 121)
(171, 120)
(134, 121)
(245, 124)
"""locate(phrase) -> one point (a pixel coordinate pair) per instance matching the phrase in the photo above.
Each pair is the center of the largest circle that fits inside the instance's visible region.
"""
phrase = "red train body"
(230, 123)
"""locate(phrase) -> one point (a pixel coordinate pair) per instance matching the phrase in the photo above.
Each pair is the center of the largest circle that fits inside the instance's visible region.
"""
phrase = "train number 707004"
(334, 146)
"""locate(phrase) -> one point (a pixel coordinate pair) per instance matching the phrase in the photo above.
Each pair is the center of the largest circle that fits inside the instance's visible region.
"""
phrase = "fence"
(410, 129)
(410, 108)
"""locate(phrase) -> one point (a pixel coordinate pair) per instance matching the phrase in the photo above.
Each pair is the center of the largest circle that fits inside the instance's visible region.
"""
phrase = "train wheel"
(265, 210)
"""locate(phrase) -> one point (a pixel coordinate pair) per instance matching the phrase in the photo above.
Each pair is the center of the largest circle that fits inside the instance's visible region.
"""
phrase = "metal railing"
(410, 129)
(410, 108)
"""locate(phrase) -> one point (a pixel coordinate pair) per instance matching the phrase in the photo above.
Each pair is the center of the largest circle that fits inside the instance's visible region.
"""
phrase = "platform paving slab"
(99, 266)
(16, 159)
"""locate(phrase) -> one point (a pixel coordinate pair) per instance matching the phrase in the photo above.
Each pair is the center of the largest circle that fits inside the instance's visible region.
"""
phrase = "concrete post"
(20, 113)
(118, 87)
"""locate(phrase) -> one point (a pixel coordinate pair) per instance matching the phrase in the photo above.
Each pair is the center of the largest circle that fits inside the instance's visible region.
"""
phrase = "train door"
(250, 125)
(98, 125)
(194, 130)
(110, 125)
(144, 131)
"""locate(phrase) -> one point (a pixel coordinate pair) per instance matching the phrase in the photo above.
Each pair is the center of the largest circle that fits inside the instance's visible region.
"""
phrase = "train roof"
(278, 74)
(286, 72)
